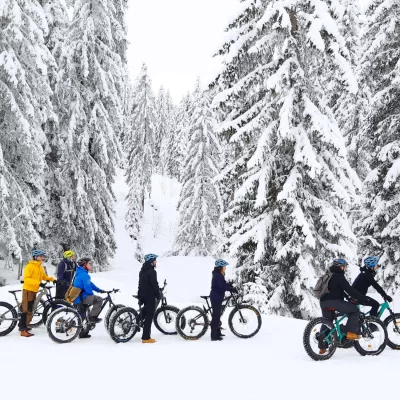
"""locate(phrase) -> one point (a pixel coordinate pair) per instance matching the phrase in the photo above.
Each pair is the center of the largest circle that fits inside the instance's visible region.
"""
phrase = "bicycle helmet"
(36, 253)
(83, 261)
(371, 262)
(69, 253)
(221, 263)
(339, 262)
(150, 257)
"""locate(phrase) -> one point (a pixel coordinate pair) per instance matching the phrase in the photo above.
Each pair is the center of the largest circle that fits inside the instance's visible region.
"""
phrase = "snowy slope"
(271, 365)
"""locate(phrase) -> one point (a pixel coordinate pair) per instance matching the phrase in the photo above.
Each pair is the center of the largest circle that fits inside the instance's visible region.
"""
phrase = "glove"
(55, 281)
(42, 285)
(102, 291)
(388, 298)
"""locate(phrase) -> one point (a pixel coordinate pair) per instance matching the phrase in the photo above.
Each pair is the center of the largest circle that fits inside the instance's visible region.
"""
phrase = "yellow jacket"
(33, 275)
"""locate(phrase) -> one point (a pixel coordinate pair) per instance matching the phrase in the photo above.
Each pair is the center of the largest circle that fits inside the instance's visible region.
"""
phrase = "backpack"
(72, 294)
(321, 287)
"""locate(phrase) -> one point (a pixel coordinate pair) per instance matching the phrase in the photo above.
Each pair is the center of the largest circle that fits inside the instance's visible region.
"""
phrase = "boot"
(216, 339)
(84, 335)
(373, 328)
(96, 320)
(352, 336)
(148, 340)
(322, 351)
(26, 334)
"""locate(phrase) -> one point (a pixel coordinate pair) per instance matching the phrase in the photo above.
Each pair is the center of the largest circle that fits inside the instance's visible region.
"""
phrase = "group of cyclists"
(74, 283)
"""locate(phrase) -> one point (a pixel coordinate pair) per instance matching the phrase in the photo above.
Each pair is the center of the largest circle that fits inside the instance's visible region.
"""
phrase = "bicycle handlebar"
(111, 291)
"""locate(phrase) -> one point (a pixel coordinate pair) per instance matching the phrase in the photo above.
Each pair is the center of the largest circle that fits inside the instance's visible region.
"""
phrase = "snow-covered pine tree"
(200, 204)
(140, 146)
(288, 219)
(24, 107)
(90, 93)
(379, 226)
(162, 128)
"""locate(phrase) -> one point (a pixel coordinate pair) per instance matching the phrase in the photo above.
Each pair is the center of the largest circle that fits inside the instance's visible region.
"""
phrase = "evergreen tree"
(24, 107)
(200, 205)
(293, 184)
(140, 145)
(90, 91)
(161, 127)
(379, 226)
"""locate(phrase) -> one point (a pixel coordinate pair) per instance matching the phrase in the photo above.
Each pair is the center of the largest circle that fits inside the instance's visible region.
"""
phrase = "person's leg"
(150, 308)
(352, 312)
(374, 306)
(31, 300)
(24, 311)
(216, 319)
(96, 309)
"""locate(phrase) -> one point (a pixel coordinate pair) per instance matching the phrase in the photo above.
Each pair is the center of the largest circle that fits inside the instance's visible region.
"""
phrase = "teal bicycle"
(392, 323)
(321, 333)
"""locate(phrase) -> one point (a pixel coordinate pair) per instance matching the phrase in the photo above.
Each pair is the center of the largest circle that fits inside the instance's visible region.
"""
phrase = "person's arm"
(61, 270)
(154, 283)
(28, 276)
(46, 277)
(351, 291)
(377, 286)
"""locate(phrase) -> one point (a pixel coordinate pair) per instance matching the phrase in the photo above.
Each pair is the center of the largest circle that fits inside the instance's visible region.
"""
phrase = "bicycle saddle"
(14, 291)
(205, 297)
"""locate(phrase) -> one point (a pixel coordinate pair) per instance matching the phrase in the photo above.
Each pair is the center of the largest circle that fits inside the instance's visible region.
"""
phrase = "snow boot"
(373, 328)
(148, 341)
(352, 336)
(95, 320)
(216, 339)
(26, 334)
(84, 335)
(322, 351)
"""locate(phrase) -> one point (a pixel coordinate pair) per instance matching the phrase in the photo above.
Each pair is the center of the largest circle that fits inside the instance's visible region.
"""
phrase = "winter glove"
(388, 298)
(102, 291)
(42, 285)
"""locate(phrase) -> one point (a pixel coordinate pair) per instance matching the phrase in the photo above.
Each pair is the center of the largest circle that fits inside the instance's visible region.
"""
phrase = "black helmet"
(83, 261)
(339, 262)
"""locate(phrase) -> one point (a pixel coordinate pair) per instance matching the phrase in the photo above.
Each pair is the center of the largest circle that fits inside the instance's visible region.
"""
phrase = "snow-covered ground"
(271, 365)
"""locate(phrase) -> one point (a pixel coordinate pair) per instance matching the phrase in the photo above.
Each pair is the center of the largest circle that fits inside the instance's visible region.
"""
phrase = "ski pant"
(61, 289)
(148, 311)
(96, 302)
(28, 299)
(216, 319)
(343, 307)
(374, 306)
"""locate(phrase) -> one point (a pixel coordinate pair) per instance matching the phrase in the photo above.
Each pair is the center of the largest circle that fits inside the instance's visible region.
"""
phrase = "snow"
(273, 364)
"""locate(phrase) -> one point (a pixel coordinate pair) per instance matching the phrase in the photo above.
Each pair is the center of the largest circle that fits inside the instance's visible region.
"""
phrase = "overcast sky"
(177, 39)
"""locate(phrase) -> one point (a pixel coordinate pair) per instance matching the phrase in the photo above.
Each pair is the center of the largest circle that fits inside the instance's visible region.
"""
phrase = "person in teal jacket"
(82, 281)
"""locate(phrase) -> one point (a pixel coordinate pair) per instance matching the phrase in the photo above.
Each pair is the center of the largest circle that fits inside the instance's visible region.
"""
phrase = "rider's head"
(86, 263)
(69, 254)
(38, 255)
(151, 259)
(371, 262)
(340, 262)
(221, 265)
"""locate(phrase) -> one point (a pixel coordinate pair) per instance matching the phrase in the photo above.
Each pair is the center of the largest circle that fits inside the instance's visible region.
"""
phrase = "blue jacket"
(82, 281)
(218, 287)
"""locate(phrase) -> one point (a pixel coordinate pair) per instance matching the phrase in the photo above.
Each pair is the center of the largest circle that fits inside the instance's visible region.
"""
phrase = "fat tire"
(387, 321)
(109, 313)
(181, 315)
(53, 315)
(161, 310)
(14, 315)
(307, 337)
(114, 319)
(52, 306)
(232, 314)
(357, 345)
(39, 323)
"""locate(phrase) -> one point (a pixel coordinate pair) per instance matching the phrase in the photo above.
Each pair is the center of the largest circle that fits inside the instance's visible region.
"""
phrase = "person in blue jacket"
(82, 281)
(218, 288)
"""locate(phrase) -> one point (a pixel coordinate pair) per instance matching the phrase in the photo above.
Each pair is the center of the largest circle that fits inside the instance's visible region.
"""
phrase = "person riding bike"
(218, 288)
(82, 281)
(34, 274)
(339, 289)
(366, 279)
(148, 293)
(65, 273)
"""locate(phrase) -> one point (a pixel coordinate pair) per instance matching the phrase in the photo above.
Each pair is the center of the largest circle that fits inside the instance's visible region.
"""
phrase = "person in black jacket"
(218, 288)
(65, 272)
(339, 289)
(366, 279)
(148, 293)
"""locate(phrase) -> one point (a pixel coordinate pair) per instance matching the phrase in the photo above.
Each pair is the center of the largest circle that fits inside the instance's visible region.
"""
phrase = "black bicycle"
(44, 304)
(65, 324)
(244, 320)
(127, 321)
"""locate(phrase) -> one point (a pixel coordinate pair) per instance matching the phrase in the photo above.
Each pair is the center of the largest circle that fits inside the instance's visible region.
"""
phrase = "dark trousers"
(343, 307)
(374, 306)
(28, 299)
(216, 319)
(61, 290)
(148, 311)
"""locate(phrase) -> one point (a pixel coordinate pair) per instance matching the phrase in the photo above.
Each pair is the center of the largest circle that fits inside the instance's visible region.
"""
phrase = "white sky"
(177, 39)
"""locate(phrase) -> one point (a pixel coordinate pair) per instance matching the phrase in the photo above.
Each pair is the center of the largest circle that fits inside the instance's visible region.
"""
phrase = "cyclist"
(65, 273)
(149, 292)
(82, 281)
(218, 288)
(339, 289)
(366, 279)
(34, 274)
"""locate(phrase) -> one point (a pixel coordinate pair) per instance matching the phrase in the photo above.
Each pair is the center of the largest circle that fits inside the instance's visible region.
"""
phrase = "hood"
(147, 265)
(336, 269)
(35, 263)
(81, 270)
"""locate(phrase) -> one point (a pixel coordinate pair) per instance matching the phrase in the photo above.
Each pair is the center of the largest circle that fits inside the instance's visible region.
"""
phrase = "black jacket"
(219, 286)
(339, 286)
(66, 270)
(148, 285)
(366, 279)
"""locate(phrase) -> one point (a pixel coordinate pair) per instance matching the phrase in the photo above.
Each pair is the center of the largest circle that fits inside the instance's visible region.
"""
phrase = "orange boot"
(26, 334)
(352, 336)
(148, 341)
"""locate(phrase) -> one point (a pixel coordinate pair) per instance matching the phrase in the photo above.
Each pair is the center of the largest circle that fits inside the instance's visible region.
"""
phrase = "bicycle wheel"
(392, 323)
(8, 318)
(374, 337)
(316, 338)
(52, 306)
(37, 316)
(110, 313)
(192, 323)
(245, 321)
(124, 325)
(165, 319)
(64, 325)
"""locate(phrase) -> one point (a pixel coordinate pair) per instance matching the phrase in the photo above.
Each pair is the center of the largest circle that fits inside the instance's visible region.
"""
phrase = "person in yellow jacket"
(34, 274)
